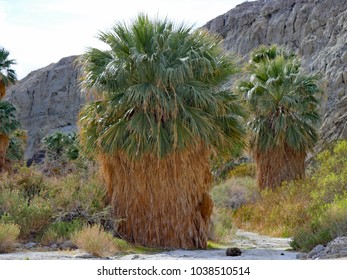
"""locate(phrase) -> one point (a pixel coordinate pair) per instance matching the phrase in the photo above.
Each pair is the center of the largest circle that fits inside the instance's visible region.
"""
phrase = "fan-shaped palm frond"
(283, 101)
(7, 74)
(161, 108)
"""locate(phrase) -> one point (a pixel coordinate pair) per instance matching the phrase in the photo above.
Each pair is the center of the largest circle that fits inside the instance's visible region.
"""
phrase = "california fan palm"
(7, 74)
(8, 124)
(160, 113)
(284, 114)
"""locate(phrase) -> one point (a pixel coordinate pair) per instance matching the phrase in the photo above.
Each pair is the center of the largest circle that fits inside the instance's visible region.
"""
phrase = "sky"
(39, 32)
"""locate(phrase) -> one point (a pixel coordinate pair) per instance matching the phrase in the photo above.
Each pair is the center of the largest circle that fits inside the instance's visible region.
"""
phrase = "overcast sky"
(39, 32)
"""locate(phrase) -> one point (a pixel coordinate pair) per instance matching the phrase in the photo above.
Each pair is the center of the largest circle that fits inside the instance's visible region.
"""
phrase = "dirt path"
(253, 246)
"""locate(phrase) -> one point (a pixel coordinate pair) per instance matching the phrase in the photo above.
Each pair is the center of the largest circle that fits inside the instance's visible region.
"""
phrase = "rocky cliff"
(315, 29)
(49, 99)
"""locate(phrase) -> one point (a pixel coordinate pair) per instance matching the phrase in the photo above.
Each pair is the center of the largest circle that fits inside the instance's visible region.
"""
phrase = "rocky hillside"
(49, 99)
(316, 29)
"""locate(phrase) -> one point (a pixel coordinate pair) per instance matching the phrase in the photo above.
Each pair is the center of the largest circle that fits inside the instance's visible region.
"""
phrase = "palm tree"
(284, 114)
(8, 124)
(160, 113)
(7, 75)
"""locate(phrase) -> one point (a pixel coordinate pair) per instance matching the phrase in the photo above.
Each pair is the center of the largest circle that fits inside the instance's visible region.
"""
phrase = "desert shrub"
(73, 192)
(32, 218)
(243, 170)
(321, 230)
(27, 181)
(295, 206)
(95, 240)
(8, 235)
(61, 231)
(222, 228)
(234, 192)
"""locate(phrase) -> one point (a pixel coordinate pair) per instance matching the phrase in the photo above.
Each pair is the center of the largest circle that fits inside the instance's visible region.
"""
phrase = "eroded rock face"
(315, 29)
(47, 99)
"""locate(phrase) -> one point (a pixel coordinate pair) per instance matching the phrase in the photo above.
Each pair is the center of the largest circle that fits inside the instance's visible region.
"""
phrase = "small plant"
(222, 229)
(95, 240)
(243, 170)
(61, 231)
(8, 236)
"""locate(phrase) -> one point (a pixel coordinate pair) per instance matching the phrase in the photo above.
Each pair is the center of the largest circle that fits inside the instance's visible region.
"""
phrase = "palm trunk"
(4, 142)
(279, 165)
(161, 203)
(2, 89)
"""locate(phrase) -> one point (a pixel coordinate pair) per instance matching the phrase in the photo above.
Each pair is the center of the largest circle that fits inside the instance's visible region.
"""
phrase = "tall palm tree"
(284, 114)
(160, 113)
(7, 75)
(8, 124)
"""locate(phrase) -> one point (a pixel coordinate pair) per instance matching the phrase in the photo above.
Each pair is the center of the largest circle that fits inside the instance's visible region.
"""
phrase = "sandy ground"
(253, 246)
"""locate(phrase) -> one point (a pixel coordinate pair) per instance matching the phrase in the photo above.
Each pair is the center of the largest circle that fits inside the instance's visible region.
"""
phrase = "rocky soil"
(253, 247)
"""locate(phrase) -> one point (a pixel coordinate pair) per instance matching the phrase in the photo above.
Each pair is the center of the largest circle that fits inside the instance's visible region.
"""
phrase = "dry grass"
(8, 236)
(96, 241)
(161, 202)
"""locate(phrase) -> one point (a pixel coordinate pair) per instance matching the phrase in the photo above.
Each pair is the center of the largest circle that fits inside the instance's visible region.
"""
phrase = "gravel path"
(253, 246)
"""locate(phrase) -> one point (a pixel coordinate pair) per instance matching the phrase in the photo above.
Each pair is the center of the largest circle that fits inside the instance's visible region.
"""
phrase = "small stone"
(233, 252)
(67, 245)
(30, 245)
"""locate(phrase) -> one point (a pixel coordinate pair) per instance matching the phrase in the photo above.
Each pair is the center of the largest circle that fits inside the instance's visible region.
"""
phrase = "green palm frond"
(283, 101)
(7, 74)
(160, 90)
(8, 121)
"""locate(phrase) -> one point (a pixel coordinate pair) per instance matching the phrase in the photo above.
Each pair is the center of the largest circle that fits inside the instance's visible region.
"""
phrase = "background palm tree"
(160, 113)
(7, 75)
(8, 124)
(284, 114)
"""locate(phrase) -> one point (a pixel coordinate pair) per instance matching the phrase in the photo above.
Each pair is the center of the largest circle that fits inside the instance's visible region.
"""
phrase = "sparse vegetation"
(312, 210)
(8, 236)
(96, 241)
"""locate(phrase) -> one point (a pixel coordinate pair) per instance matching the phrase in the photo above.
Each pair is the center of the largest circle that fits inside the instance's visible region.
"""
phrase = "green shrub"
(331, 224)
(235, 192)
(95, 240)
(296, 206)
(243, 170)
(61, 231)
(8, 235)
(32, 218)
(222, 228)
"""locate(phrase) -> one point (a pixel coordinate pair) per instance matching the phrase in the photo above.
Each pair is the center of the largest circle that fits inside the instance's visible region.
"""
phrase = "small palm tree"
(284, 114)
(160, 113)
(7, 75)
(8, 124)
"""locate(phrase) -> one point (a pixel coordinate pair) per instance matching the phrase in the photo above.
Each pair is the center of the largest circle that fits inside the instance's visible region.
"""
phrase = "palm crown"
(159, 90)
(7, 75)
(282, 99)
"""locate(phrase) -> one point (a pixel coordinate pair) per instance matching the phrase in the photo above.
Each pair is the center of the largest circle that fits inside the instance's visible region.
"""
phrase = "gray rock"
(301, 256)
(316, 30)
(30, 245)
(67, 245)
(316, 250)
(47, 100)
